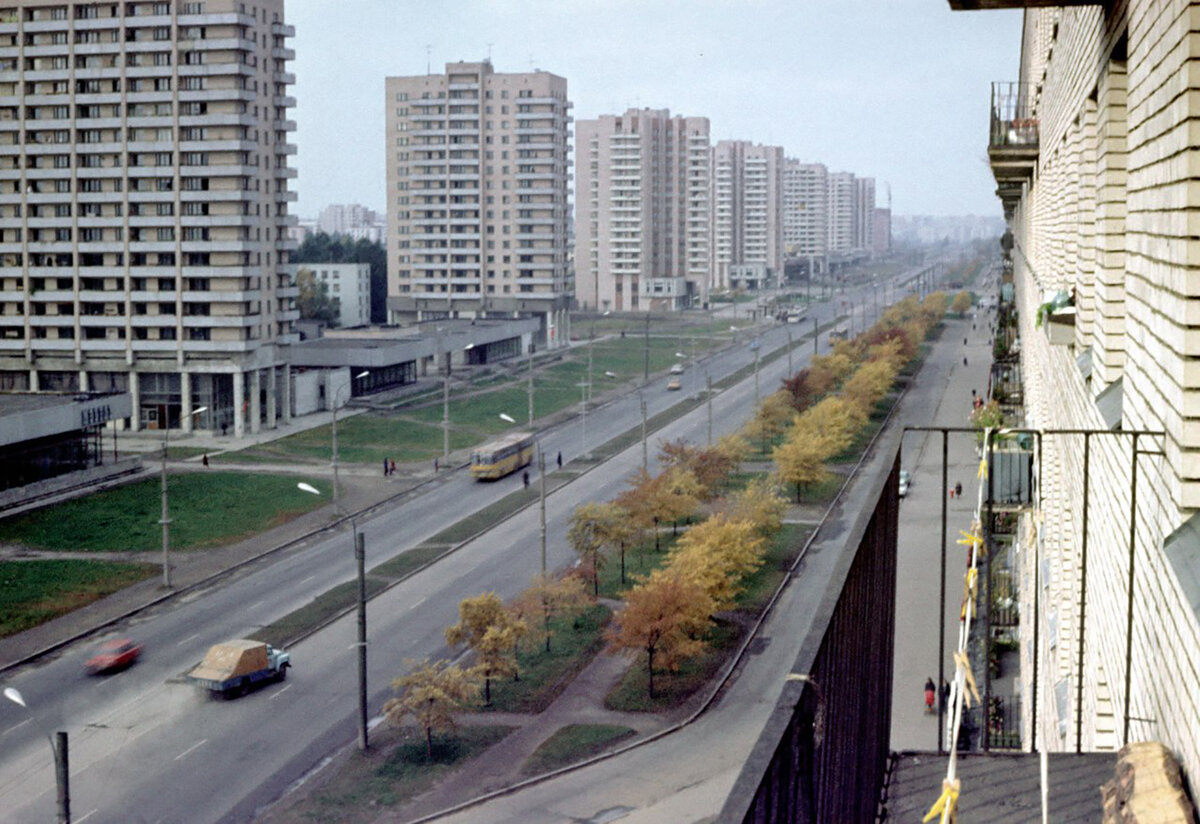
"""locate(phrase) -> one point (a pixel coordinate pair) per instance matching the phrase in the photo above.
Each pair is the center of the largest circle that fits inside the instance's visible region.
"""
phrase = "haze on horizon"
(897, 90)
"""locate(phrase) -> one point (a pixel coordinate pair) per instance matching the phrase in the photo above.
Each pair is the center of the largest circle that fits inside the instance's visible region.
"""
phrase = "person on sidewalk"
(204, 460)
(435, 464)
(958, 490)
(525, 478)
(930, 695)
(385, 467)
(560, 460)
(392, 467)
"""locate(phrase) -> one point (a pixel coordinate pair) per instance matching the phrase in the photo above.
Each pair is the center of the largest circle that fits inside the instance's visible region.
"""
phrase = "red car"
(113, 656)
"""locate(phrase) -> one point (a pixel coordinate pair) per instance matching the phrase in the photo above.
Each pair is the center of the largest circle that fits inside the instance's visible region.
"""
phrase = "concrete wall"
(306, 392)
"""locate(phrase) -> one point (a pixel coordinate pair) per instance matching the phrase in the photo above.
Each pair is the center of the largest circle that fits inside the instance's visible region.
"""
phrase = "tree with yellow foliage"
(826, 373)
(432, 694)
(800, 459)
(771, 418)
(869, 384)
(666, 617)
(760, 505)
(718, 554)
(671, 495)
(550, 597)
(491, 631)
(961, 303)
(839, 419)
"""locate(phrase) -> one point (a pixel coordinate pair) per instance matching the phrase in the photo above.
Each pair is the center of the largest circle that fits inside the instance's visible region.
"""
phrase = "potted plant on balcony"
(1057, 316)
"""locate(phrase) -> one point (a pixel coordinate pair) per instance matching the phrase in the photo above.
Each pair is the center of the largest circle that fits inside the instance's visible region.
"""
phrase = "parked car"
(674, 384)
(113, 656)
(905, 482)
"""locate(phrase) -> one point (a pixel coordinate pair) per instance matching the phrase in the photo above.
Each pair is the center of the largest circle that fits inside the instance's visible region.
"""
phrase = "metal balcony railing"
(1014, 124)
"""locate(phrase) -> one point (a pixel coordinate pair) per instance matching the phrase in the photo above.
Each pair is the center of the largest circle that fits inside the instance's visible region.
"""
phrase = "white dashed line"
(199, 743)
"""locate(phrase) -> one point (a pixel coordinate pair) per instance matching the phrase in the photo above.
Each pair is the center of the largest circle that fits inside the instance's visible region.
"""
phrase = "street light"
(166, 520)
(58, 745)
(542, 486)
(360, 556)
(336, 490)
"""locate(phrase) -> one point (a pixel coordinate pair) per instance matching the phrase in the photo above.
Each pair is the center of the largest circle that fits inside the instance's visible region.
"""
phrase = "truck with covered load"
(233, 667)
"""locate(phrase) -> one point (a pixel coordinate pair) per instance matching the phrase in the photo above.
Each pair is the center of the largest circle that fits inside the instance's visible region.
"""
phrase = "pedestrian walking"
(525, 477)
(392, 468)
(204, 460)
(945, 692)
(385, 467)
(950, 491)
(964, 341)
(435, 464)
(958, 490)
(930, 695)
(964, 360)
(560, 460)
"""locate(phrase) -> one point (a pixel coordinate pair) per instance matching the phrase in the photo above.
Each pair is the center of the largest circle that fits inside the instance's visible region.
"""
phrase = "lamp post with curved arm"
(166, 519)
(542, 485)
(58, 745)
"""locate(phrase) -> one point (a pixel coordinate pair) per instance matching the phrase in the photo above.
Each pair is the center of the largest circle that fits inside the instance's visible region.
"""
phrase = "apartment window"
(193, 84)
(194, 158)
(165, 233)
(164, 209)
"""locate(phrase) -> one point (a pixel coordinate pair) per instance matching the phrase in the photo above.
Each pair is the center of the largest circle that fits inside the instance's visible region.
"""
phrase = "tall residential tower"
(478, 171)
(144, 206)
(642, 212)
(747, 214)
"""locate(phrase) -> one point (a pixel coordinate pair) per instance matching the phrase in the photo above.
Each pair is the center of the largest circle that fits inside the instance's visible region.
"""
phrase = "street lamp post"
(336, 487)
(166, 519)
(360, 561)
(62, 773)
(542, 487)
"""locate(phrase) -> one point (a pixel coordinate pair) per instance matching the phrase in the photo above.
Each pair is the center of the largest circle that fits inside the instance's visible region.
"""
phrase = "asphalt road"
(148, 747)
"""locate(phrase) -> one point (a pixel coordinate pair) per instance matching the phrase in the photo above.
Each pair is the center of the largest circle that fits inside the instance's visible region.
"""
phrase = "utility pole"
(816, 335)
(531, 381)
(62, 776)
(646, 371)
(708, 398)
(542, 495)
(360, 555)
(645, 462)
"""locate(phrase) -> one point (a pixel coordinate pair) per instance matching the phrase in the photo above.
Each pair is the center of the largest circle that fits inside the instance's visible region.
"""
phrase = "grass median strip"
(573, 743)
(315, 613)
(33, 592)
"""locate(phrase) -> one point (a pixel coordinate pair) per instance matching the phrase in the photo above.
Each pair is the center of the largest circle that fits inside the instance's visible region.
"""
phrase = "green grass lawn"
(573, 743)
(394, 770)
(33, 592)
(207, 508)
(632, 693)
(544, 675)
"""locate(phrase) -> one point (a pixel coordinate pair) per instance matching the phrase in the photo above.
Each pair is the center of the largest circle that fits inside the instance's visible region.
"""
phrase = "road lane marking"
(280, 692)
(16, 726)
(189, 749)
(417, 604)
(306, 580)
(86, 817)
(185, 640)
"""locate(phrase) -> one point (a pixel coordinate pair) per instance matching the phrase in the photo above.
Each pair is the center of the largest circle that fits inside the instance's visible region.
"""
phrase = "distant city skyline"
(906, 100)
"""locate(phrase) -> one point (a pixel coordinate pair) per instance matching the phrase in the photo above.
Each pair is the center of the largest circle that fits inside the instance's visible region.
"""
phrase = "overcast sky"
(891, 89)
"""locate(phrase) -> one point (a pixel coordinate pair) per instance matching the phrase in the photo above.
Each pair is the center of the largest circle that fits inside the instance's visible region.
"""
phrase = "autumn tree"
(800, 459)
(838, 418)
(869, 383)
(586, 535)
(432, 694)
(710, 465)
(718, 554)
(826, 372)
(671, 495)
(550, 597)
(771, 418)
(961, 303)
(760, 505)
(800, 390)
(491, 631)
(666, 617)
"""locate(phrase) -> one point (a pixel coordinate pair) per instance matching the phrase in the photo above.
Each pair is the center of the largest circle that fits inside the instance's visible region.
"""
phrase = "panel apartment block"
(642, 212)
(350, 284)
(840, 222)
(806, 210)
(478, 173)
(747, 213)
(1108, 214)
(144, 206)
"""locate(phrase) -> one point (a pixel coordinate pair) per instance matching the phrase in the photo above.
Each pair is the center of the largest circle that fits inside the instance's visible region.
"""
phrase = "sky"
(897, 90)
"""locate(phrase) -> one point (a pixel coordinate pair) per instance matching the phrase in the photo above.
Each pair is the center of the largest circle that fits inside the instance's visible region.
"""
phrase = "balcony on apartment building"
(1012, 140)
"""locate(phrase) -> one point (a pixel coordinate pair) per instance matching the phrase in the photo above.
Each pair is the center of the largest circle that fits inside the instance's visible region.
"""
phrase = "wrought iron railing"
(1014, 122)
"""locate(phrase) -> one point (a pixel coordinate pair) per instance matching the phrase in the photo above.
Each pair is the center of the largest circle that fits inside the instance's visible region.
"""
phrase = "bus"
(502, 456)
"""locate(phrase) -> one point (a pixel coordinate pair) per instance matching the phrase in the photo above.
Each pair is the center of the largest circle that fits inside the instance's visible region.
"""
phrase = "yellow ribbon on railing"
(960, 659)
(946, 804)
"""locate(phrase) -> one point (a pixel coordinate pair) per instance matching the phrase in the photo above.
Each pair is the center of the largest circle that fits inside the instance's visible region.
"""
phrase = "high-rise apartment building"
(840, 214)
(805, 210)
(144, 206)
(478, 171)
(642, 211)
(747, 213)
(349, 283)
(863, 233)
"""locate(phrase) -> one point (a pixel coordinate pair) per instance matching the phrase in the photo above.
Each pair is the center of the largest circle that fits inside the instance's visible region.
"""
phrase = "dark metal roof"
(1001, 789)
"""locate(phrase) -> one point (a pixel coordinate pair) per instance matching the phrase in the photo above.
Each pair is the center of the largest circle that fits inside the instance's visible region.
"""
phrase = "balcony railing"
(1014, 124)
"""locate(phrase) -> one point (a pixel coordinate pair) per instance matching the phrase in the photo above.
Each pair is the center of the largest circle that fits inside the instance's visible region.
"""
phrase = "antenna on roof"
(489, 59)
(428, 61)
